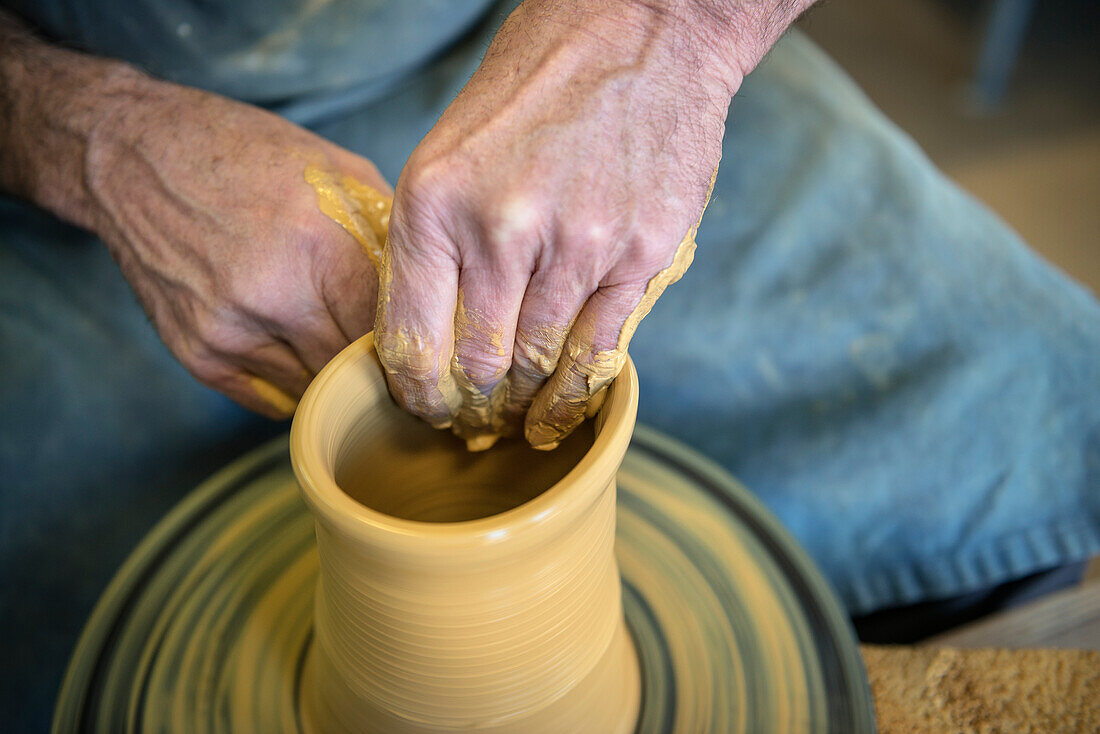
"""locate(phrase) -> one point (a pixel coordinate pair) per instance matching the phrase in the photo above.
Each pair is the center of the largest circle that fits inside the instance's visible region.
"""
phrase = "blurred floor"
(1035, 159)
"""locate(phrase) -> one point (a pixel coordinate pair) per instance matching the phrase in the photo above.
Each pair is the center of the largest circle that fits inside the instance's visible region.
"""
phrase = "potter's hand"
(205, 205)
(209, 206)
(550, 206)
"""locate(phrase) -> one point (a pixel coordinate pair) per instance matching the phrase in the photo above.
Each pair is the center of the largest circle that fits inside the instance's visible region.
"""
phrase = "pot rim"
(562, 502)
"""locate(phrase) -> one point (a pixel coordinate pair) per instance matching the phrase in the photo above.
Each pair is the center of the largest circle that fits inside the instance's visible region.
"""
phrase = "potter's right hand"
(552, 203)
(204, 204)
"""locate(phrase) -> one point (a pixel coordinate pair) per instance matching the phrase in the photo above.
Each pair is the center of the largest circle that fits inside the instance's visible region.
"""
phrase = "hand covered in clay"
(550, 206)
(211, 208)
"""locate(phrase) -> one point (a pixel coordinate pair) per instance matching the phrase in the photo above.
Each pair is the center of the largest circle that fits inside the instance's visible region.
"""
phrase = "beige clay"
(361, 210)
(458, 591)
(273, 396)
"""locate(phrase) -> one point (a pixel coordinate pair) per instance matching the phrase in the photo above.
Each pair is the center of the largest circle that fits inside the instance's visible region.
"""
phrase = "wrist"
(735, 34)
(668, 40)
(712, 42)
(56, 106)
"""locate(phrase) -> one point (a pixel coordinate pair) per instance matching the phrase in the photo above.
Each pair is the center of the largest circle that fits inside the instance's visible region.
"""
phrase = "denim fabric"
(101, 433)
(263, 51)
(907, 386)
(880, 359)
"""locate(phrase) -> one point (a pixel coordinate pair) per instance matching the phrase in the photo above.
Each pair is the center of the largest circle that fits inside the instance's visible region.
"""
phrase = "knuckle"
(425, 171)
(422, 224)
(616, 303)
(312, 235)
(217, 340)
(588, 236)
(249, 290)
(209, 371)
(590, 246)
(537, 353)
(483, 366)
(214, 336)
(650, 252)
(270, 294)
(414, 401)
(405, 354)
(423, 191)
(220, 333)
(514, 219)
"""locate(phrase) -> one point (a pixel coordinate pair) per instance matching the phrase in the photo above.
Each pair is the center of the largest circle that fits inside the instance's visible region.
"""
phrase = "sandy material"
(924, 689)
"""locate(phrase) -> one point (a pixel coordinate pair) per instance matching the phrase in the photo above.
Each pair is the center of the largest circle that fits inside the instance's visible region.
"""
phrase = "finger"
(351, 295)
(595, 350)
(488, 305)
(414, 327)
(276, 362)
(590, 360)
(275, 396)
(550, 306)
(315, 338)
(256, 394)
(281, 404)
(275, 374)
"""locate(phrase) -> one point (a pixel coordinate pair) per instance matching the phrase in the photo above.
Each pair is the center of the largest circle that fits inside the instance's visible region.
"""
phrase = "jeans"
(908, 388)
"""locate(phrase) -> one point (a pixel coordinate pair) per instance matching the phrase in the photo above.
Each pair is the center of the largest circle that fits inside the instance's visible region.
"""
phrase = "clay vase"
(460, 591)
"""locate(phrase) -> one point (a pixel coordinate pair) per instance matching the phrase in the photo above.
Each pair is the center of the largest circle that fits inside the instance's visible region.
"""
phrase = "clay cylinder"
(459, 591)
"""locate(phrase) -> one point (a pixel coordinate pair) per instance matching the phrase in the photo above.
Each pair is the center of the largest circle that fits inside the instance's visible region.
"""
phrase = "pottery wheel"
(206, 626)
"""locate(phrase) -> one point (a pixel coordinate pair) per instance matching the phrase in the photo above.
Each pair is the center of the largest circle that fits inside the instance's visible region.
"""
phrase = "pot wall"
(506, 623)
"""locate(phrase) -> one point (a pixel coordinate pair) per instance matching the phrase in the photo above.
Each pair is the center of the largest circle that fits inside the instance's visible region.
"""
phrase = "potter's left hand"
(553, 202)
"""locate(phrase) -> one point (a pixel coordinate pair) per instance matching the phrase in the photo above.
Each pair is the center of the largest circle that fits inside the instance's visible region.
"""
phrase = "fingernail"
(543, 437)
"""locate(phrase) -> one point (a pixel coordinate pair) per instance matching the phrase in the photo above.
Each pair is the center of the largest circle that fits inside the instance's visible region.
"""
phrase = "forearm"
(721, 40)
(742, 31)
(55, 104)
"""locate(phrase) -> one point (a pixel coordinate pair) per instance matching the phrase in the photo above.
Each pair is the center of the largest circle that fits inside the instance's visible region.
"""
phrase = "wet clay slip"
(460, 591)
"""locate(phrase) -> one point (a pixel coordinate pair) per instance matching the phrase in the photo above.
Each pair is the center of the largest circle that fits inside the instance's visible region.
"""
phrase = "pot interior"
(398, 465)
